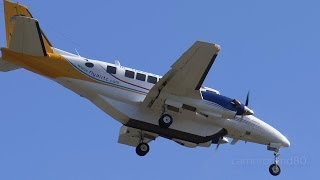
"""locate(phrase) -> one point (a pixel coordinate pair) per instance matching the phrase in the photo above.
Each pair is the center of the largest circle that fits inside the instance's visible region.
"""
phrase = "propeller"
(243, 109)
(221, 140)
(247, 99)
(247, 110)
(217, 147)
(218, 144)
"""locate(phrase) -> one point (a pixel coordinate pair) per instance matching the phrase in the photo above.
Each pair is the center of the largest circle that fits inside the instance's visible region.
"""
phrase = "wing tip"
(217, 46)
(213, 45)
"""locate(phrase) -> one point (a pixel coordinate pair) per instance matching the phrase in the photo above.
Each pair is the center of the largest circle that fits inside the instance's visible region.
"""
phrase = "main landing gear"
(143, 148)
(165, 120)
(274, 168)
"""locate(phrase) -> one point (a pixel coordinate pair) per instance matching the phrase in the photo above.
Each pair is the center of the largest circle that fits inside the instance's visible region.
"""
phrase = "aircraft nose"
(281, 139)
(285, 142)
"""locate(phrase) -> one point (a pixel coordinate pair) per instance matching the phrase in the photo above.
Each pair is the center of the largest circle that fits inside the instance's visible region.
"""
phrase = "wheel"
(274, 169)
(165, 121)
(142, 149)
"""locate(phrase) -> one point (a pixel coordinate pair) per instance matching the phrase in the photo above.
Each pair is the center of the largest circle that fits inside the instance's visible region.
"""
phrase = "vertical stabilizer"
(23, 34)
(12, 10)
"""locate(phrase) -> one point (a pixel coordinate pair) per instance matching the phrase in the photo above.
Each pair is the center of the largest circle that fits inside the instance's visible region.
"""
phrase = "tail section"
(23, 34)
(12, 10)
(6, 66)
(26, 37)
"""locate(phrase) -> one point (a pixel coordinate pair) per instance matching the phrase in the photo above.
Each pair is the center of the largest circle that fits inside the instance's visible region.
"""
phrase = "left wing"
(186, 75)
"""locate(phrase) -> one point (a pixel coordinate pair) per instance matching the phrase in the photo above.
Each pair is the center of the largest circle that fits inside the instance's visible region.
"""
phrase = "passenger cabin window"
(152, 79)
(129, 74)
(141, 77)
(111, 70)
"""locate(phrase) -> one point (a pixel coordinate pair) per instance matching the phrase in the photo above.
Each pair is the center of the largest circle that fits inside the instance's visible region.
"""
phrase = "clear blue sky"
(270, 48)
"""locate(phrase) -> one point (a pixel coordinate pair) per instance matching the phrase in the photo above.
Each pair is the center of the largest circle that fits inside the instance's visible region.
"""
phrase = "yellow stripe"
(52, 66)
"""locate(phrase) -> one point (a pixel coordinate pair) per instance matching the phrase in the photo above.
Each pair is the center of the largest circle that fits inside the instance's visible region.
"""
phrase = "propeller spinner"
(247, 110)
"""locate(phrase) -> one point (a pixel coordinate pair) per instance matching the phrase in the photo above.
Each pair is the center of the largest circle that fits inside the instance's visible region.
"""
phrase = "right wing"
(186, 75)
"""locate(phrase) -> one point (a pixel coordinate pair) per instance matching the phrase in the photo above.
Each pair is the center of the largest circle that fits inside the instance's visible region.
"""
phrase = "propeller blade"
(217, 147)
(247, 100)
(218, 144)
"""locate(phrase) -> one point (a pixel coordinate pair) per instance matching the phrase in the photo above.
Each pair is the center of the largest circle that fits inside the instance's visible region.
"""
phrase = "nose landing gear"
(274, 168)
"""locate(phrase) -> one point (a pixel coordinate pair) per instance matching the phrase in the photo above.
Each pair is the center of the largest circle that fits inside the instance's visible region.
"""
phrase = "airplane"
(175, 106)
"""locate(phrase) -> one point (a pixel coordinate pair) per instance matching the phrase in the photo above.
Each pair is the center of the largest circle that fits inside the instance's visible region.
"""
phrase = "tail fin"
(15, 9)
(26, 37)
(23, 34)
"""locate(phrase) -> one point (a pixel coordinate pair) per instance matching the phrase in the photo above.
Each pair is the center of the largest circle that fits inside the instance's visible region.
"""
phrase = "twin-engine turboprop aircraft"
(175, 106)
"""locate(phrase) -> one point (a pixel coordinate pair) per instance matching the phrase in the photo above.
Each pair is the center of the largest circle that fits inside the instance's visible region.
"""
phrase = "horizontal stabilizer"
(27, 37)
(6, 66)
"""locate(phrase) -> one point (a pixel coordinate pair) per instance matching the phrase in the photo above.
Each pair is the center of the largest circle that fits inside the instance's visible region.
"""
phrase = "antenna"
(77, 52)
(117, 63)
(80, 55)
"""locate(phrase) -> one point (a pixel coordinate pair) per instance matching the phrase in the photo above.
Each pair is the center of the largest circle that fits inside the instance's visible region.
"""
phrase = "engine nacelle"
(222, 106)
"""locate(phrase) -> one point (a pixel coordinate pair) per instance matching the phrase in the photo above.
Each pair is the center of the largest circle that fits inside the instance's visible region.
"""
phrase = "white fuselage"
(120, 96)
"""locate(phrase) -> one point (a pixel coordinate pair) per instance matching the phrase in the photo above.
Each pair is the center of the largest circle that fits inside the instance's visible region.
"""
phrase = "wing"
(186, 75)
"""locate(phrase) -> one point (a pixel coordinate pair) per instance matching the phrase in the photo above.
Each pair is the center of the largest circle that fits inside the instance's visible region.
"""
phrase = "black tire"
(165, 121)
(274, 169)
(142, 149)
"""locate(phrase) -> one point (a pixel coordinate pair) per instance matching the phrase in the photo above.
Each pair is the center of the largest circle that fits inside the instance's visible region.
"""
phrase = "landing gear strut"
(143, 148)
(274, 168)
